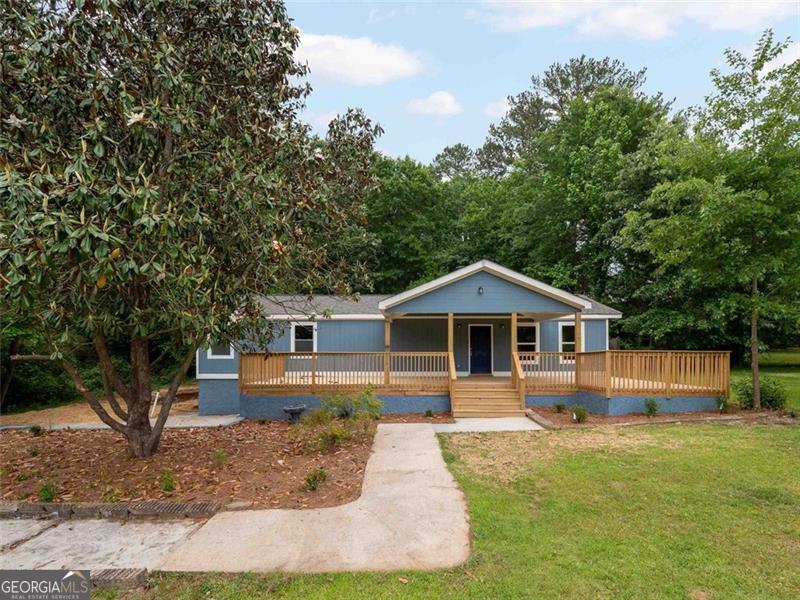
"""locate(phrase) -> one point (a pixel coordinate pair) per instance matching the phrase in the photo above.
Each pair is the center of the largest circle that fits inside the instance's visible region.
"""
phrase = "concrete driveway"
(410, 515)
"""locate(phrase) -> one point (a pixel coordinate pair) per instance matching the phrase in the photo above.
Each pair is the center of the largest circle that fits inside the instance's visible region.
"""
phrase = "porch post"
(387, 345)
(450, 333)
(577, 348)
(514, 332)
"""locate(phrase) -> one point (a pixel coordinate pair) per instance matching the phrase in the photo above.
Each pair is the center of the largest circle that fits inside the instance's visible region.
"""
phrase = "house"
(480, 341)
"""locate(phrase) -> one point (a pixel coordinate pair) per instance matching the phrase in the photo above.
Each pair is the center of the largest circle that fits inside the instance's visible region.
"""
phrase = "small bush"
(579, 414)
(773, 393)
(24, 476)
(559, 407)
(167, 480)
(316, 417)
(792, 413)
(728, 406)
(349, 405)
(34, 451)
(332, 436)
(219, 457)
(429, 413)
(650, 407)
(315, 478)
(47, 491)
(36, 430)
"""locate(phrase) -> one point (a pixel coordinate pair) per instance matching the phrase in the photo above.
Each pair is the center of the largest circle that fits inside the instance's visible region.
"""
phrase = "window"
(566, 338)
(304, 337)
(527, 337)
(220, 350)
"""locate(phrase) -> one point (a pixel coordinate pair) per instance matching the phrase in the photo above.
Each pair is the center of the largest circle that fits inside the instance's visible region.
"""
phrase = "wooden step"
(488, 413)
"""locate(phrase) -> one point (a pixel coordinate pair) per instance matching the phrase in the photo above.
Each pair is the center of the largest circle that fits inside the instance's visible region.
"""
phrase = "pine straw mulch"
(255, 462)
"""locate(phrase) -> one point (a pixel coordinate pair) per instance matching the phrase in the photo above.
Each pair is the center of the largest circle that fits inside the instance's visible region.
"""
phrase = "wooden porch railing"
(334, 371)
(629, 372)
(518, 378)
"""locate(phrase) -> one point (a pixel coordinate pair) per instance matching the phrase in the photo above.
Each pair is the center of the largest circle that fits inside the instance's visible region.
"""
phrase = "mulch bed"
(255, 462)
(439, 417)
(564, 419)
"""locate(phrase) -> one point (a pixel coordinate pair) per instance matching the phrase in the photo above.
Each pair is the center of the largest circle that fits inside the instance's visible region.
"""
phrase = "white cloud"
(320, 120)
(356, 61)
(379, 15)
(791, 54)
(496, 108)
(631, 19)
(440, 104)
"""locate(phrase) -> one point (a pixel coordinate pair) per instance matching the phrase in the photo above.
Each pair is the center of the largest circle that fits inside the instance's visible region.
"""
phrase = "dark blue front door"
(480, 349)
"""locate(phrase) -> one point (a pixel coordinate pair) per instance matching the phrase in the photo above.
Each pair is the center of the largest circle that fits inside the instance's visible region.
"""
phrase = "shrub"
(728, 406)
(167, 480)
(349, 405)
(332, 436)
(36, 430)
(219, 457)
(773, 393)
(559, 407)
(34, 451)
(47, 491)
(315, 478)
(429, 413)
(316, 417)
(579, 413)
(650, 407)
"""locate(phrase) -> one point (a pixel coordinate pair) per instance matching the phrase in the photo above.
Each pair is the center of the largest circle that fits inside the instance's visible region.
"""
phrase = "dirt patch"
(247, 462)
(504, 456)
(80, 412)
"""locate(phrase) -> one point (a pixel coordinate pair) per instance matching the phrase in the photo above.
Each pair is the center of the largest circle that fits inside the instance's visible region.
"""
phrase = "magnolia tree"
(155, 180)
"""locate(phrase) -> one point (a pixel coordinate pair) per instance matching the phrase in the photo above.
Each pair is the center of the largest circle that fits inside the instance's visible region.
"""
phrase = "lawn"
(783, 365)
(669, 511)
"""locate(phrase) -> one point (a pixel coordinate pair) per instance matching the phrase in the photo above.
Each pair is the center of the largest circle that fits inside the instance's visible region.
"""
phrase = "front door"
(480, 348)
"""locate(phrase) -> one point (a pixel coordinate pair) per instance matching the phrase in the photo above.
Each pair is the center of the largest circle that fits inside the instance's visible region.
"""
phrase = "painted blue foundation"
(271, 407)
(625, 405)
(218, 397)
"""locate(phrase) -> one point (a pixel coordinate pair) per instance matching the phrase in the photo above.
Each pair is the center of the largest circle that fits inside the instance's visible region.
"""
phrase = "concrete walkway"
(477, 425)
(410, 515)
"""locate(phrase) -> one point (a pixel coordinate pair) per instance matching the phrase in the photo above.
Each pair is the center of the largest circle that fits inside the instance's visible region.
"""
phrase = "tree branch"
(106, 366)
(91, 398)
(155, 435)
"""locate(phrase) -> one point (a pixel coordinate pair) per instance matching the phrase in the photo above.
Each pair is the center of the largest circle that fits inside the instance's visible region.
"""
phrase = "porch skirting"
(271, 407)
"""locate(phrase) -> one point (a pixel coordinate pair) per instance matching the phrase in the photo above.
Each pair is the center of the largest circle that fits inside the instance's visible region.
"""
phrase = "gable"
(464, 296)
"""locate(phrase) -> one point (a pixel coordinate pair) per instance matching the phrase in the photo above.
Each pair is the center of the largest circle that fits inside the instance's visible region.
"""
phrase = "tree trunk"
(138, 428)
(8, 369)
(754, 346)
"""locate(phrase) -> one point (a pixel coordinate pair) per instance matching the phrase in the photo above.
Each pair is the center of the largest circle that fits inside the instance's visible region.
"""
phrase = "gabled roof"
(493, 268)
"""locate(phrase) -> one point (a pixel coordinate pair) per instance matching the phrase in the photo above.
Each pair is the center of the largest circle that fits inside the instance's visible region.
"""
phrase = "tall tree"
(730, 214)
(154, 180)
(454, 161)
(532, 111)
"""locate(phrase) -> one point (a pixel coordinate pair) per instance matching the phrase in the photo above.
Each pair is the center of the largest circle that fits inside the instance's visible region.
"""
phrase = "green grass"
(711, 509)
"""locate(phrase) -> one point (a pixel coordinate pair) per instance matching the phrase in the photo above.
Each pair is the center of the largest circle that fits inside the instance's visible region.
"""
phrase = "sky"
(435, 74)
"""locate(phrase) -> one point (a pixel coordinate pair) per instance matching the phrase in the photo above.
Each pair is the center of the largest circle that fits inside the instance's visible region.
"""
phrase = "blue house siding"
(499, 296)
(594, 335)
(419, 335)
(501, 346)
(217, 366)
(625, 405)
(218, 397)
(349, 336)
(271, 407)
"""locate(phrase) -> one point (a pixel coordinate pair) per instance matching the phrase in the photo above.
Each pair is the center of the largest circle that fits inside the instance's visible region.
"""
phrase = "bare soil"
(440, 417)
(250, 462)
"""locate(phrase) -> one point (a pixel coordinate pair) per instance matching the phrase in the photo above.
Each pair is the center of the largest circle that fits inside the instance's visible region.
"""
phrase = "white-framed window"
(304, 337)
(528, 337)
(566, 338)
(221, 350)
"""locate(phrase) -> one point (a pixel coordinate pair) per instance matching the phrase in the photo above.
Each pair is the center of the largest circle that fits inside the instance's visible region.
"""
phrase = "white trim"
(587, 317)
(206, 376)
(462, 373)
(606, 335)
(469, 345)
(501, 373)
(494, 269)
(339, 317)
(227, 356)
(313, 326)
